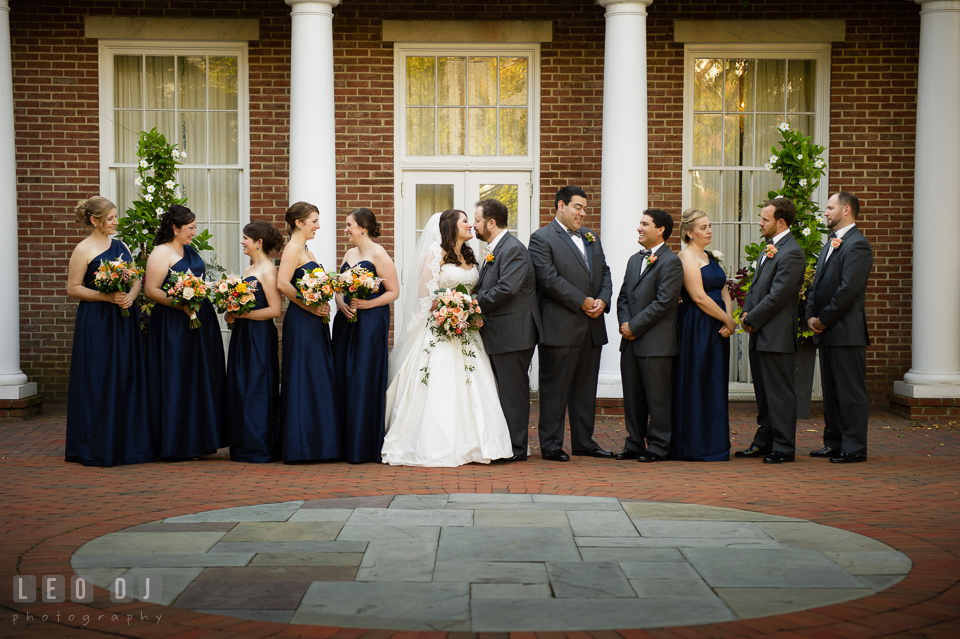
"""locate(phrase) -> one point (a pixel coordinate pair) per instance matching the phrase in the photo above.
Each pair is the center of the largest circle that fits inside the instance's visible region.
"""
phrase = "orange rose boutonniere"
(835, 243)
(770, 251)
(489, 258)
(651, 260)
(590, 237)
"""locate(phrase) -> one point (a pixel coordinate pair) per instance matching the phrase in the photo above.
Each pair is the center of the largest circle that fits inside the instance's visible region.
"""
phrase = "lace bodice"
(452, 276)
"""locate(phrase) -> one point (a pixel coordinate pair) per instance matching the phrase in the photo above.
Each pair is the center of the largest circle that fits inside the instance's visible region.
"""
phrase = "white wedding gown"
(455, 418)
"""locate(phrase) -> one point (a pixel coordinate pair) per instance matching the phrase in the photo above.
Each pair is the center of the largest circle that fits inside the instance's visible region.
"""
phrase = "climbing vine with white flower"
(799, 163)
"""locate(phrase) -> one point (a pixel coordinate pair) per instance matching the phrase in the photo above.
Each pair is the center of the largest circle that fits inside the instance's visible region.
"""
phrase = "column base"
(20, 409)
(924, 409)
(18, 391)
(926, 391)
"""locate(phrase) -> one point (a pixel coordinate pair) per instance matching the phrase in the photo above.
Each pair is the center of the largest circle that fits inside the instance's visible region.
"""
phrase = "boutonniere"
(770, 250)
(489, 258)
(651, 260)
(717, 256)
(590, 237)
(836, 242)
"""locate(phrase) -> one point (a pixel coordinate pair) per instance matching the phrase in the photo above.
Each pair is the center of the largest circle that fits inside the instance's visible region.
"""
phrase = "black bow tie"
(645, 252)
(769, 240)
(573, 233)
(833, 235)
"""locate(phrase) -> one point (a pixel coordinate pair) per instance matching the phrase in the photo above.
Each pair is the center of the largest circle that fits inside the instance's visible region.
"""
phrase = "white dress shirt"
(653, 251)
(577, 239)
(776, 238)
(840, 233)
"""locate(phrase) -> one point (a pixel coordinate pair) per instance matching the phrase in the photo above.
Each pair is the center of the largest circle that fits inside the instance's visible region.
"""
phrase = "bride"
(440, 412)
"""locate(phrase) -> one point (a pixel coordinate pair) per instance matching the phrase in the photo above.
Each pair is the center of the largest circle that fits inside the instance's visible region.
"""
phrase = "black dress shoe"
(777, 458)
(753, 451)
(627, 454)
(647, 456)
(826, 451)
(848, 458)
(555, 455)
(596, 452)
(514, 458)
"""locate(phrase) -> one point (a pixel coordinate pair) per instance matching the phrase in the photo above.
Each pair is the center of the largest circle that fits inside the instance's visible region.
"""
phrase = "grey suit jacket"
(507, 293)
(648, 303)
(771, 304)
(839, 292)
(564, 282)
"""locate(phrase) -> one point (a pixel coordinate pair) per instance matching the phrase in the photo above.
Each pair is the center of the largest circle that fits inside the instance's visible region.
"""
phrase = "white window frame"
(821, 52)
(110, 48)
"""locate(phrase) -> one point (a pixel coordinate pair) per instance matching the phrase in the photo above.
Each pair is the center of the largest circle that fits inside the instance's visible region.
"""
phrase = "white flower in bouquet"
(188, 293)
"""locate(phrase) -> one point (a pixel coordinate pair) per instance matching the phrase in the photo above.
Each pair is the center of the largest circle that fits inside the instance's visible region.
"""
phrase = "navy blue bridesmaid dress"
(360, 360)
(252, 401)
(308, 401)
(185, 374)
(701, 370)
(108, 421)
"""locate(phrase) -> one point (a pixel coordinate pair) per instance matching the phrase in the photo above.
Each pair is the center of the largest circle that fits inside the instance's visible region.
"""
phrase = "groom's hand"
(626, 332)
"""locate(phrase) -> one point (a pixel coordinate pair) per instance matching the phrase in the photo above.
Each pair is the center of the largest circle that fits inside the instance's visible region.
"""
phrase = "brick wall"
(56, 104)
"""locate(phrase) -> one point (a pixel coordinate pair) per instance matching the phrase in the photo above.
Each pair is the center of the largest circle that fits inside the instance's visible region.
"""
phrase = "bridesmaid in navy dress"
(360, 348)
(185, 367)
(701, 422)
(309, 428)
(107, 419)
(252, 404)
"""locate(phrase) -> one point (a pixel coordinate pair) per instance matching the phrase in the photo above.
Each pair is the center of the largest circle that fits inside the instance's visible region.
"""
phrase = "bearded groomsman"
(574, 291)
(835, 312)
(647, 312)
(770, 317)
(507, 293)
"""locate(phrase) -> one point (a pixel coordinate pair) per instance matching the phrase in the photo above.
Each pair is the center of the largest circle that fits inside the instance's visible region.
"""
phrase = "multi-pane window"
(194, 100)
(464, 105)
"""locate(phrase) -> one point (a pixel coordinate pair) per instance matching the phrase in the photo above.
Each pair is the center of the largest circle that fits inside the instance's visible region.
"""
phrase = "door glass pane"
(483, 81)
(706, 139)
(421, 81)
(451, 131)
(738, 140)
(432, 198)
(801, 85)
(451, 77)
(513, 81)
(223, 83)
(483, 132)
(770, 81)
(159, 82)
(193, 82)
(128, 81)
(505, 193)
(420, 134)
(224, 132)
(738, 87)
(708, 85)
(513, 131)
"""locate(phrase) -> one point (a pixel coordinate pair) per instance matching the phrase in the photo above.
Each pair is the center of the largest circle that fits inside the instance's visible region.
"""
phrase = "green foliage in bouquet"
(799, 163)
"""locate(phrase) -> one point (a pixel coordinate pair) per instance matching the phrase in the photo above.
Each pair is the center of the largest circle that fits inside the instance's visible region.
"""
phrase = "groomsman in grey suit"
(574, 291)
(647, 312)
(507, 293)
(770, 316)
(835, 312)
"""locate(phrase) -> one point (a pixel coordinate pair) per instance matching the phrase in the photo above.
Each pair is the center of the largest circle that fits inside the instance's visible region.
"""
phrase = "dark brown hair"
(448, 239)
(783, 209)
(846, 198)
(495, 210)
(262, 231)
(298, 212)
(365, 219)
(177, 216)
(92, 209)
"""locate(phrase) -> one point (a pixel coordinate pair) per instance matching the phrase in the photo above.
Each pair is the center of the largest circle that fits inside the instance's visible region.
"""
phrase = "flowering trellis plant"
(801, 166)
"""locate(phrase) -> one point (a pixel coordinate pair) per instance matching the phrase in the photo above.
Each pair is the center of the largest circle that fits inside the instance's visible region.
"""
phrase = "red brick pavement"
(905, 496)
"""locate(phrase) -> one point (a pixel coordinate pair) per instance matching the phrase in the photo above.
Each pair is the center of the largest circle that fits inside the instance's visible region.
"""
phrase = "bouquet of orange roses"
(357, 282)
(188, 290)
(116, 275)
(232, 294)
(317, 287)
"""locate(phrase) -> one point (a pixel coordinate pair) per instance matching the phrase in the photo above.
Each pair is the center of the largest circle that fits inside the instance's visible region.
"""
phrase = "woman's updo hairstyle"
(366, 220)
(299, 212)
(95, 208)
(262, 231)
(687, 218)
(176, 216)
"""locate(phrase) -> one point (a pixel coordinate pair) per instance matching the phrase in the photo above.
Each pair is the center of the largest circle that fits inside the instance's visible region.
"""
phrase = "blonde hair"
(95, 208)
(687, 218)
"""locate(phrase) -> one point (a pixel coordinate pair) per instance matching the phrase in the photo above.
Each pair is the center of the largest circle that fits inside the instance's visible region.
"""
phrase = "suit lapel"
(565, 237)
(649, 266)
(843, 241)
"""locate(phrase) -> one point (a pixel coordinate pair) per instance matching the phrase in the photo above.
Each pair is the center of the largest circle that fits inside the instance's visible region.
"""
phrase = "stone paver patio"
(493, 563)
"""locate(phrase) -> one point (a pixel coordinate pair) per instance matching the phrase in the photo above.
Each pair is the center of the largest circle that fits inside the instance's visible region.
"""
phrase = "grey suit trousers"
(776, 401)
(512, 371)
(647, 394)
(568, 377)
(843, 370)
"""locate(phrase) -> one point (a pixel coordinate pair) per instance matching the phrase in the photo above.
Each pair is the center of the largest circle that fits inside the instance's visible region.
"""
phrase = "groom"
(507, 294)
(574, 291)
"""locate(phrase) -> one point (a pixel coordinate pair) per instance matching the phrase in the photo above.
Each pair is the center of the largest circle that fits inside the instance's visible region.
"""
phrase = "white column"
(13, 383)
(623, 176)
(935, 366)
(313, 157)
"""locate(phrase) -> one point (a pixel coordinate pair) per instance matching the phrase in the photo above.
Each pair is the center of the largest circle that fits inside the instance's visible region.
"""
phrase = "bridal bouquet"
(457, 317)
(116, 275)
(188, 290)
(234, 295)
(358, 283)
(317, 287)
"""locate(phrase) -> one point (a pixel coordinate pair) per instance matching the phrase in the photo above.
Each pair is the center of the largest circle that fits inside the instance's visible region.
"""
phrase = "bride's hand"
(435, 304)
